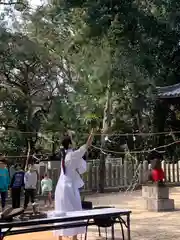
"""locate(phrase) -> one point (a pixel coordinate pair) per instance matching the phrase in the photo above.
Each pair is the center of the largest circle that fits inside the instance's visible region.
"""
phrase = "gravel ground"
(144, 225)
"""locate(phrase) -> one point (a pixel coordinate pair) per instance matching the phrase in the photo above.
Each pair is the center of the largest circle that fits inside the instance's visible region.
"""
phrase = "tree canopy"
(66, 63)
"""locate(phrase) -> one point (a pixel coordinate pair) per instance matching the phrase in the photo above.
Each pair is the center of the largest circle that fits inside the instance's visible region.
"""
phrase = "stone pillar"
(156, 198)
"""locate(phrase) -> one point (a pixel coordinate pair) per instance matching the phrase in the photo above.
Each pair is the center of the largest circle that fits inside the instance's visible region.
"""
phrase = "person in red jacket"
(157, 173)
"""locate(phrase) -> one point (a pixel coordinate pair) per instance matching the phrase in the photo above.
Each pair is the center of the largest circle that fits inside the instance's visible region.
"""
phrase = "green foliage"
(92, 120)
(81, 64)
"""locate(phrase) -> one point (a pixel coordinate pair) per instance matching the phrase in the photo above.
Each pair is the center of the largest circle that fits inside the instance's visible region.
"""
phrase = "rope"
(97, 134)
(135, 152)
(105, 151)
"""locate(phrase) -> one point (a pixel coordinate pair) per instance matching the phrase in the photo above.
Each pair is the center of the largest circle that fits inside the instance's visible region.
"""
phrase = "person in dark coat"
(16, 185)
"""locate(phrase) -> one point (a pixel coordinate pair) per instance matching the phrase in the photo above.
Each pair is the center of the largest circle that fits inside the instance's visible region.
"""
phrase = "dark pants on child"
(29, 194)
(3, 199)
(16, 197)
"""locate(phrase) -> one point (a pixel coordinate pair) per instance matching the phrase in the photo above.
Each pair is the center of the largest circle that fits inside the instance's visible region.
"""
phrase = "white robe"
(67, 196)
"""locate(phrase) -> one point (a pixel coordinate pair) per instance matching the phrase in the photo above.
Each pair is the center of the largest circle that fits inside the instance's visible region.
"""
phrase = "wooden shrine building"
(167, 114)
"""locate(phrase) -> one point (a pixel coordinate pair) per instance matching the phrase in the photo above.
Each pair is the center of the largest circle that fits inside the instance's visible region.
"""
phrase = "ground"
(144, 225)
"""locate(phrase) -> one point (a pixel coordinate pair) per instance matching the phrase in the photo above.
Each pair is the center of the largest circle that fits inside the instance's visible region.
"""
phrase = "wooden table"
(70, 220)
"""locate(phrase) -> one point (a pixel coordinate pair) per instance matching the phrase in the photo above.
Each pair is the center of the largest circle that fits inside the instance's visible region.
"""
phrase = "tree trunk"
(105, 129)
(53, 144)
(102, 169)
(28, 155)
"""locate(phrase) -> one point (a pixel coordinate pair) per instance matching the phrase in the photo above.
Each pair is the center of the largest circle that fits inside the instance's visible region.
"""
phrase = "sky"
(33, 3)
(36, 3)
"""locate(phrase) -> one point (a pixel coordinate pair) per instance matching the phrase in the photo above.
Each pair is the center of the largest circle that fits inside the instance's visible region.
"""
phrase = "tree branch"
(12, 3)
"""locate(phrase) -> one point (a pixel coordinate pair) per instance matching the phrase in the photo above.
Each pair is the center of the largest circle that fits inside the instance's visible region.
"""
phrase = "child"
(157, 173)
(30, 185)
(4, 181)
(17, 183)
(46, 188)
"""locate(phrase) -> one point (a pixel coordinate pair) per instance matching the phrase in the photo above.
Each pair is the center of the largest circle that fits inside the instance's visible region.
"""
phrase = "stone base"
(155, 191)
(159, 205)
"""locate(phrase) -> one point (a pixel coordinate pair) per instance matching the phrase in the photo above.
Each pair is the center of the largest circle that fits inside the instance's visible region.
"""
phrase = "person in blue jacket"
(16, 185)
(4, 181)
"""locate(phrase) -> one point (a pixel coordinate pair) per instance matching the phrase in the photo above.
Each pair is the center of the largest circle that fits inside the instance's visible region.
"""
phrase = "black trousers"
(16, 197)
(3, 199)
(29, 194)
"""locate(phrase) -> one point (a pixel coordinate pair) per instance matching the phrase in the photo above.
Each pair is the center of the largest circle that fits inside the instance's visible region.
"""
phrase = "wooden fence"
(118, 174)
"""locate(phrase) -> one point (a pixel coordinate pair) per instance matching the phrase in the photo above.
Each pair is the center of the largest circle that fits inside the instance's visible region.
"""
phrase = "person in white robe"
(67, 195)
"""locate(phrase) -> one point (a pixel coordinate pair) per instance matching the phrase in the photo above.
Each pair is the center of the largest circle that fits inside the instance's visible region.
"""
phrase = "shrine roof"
(172, 91)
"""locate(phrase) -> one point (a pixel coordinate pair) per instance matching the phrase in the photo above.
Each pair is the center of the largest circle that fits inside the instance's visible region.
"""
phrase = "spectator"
(12, 171)
(30, 182)
(157, 173)
(4, 181)
(17, 183)
(46, 188)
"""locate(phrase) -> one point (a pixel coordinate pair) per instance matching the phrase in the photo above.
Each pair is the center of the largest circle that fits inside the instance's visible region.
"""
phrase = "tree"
(87, 59)
(99, 65)
(149, 28)
(28, 80)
